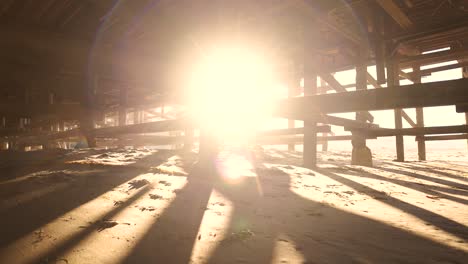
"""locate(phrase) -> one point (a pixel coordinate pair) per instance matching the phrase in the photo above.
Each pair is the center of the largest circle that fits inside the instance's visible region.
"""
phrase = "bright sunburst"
(231, 92)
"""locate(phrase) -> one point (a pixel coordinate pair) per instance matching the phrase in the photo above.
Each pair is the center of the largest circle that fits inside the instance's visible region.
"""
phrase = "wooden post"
(378, 43)
(136, 116)
(123, 106)
(87, 121)
(419, 116)
(293, 90)
(465, 75)
(188, 139)
(361, 154)
(324, 134)
(392, 81)
(310, 88)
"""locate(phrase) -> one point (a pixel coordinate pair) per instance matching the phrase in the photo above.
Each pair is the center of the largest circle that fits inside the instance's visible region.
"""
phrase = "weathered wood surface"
(414, 131)
(405, 96)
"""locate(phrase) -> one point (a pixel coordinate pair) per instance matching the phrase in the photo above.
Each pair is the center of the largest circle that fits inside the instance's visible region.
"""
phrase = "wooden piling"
(419, 116)
(293, 83)
(310, 135)
(361, 154)
(392, 81)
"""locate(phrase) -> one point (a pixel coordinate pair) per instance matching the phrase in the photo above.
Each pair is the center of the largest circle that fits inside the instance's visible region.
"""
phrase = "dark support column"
(324, 135)
(419, 116)
(137, 116)
(378, 43)
(293, 91)
(361, 154)
(87, 121)
(310, 34)
(123, 106)
(465, 75)
(188, 139)
(310, 135)
(394, 80)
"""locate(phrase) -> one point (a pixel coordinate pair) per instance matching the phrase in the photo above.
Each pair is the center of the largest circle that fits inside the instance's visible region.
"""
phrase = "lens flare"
(231, 92)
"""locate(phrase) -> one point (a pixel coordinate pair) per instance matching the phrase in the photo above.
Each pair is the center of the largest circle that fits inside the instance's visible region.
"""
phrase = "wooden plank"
(292, 131)
(374, 83)
(442, 93)
(408, 118)
(40, 138)
(427, 72)
(317, 16)
(40, 110)
(150, 127)
(388, 132)
(405, 75)
(297, 139)
(433, 58)
(396, 13)
(461, 108)
(330, 79)
(445, 137)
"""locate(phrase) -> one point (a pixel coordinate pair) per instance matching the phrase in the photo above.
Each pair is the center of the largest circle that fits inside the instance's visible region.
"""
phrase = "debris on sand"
(118, 203)
(242, 235)
(155, 196)
(48, 260)
(137, 184)
(165, 183)
(149, 208)
(105, 224)
(40, 235)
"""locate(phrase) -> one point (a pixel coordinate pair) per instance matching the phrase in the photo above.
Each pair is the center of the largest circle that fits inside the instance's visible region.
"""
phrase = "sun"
(231, 92)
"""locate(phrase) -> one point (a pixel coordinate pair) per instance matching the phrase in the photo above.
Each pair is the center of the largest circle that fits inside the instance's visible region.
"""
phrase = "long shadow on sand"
(260, 220)
(430, 189)
(171, 238)
(428, 178)
(321, 233)
(32, 214)
(433, 170)
(437, 220)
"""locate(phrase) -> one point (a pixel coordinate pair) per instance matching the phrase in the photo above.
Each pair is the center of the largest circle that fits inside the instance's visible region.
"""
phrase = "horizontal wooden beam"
(396, 13)
(432, 58)
(330, 79)
(293, 131)
(445, 137)
(374, 83)
(63, 111)
(297, 140)
(150, 127)
(40, 137)
(461, 108)
(429, 71)
(326, 119)
(387, 132)
(407, 96)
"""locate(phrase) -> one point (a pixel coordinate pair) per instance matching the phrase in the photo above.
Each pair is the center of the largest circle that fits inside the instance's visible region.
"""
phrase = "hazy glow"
(231, 91)
(234, 167)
